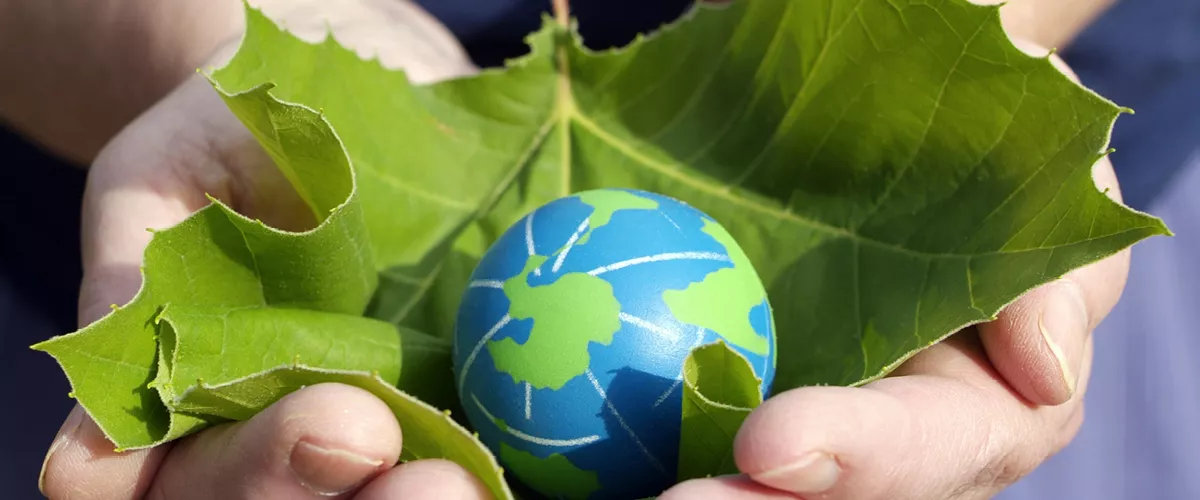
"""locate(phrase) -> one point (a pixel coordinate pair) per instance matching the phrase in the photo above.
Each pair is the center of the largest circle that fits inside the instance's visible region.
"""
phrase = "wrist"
(89, 68)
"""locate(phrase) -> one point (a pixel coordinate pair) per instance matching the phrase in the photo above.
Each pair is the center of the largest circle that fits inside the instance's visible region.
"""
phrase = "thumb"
(153, 176)
(325, 440)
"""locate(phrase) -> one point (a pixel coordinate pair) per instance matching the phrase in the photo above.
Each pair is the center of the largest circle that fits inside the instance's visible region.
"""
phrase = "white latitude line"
(672, 335)
(528, 401)
(534, 439)
(659, 258)
(679, 380)
(486, 284)
(570, 244)
(462, 378)
(621, 421)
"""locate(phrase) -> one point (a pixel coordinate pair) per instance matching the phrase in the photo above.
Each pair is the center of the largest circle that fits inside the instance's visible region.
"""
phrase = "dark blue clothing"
(1145, 55)
(1138, 439)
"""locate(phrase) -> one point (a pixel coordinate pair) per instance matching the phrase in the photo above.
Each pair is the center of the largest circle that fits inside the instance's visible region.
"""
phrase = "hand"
(321, 441)
(961, 420)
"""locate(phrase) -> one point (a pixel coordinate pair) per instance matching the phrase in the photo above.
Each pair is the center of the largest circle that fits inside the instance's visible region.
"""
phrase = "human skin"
(1008, 392)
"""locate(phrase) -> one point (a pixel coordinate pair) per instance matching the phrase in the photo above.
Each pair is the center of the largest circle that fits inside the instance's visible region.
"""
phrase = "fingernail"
(330, 472)
(1063, 323)
(64, 434)
(813, 473)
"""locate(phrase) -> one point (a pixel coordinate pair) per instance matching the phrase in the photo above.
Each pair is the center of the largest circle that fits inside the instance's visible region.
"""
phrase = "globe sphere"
(572, 333)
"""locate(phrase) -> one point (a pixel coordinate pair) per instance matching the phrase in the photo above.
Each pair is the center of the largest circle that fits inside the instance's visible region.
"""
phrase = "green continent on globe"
(553, 476)
(574, 310)
(605, 203)
(722, 301)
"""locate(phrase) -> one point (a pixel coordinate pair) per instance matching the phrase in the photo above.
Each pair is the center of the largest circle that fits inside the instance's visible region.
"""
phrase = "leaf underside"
(719, 392)
(895, 170)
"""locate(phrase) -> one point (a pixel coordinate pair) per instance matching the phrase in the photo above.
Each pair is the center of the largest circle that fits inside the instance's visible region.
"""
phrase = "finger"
(321, 441)
(81, 464)
(425, 479)
(1037, 342)
(724, 487)
(949, 428)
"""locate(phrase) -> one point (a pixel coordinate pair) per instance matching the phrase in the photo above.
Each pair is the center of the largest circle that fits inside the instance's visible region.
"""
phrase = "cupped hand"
(322, 441)
(960, 420)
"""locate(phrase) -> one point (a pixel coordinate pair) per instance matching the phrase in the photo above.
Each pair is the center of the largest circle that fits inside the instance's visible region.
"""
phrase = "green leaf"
(428, 433)
(219, 345)
(218, 260)
(895, 170)
(719, 392)
(430, 159)
(231, 274)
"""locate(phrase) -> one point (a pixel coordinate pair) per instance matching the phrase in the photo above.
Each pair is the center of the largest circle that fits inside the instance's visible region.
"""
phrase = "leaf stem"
(562, 13)
(565, 102)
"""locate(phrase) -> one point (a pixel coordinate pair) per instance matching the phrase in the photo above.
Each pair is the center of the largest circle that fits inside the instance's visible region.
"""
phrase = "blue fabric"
(1145, 55)
(1139, 438)
(494, 30)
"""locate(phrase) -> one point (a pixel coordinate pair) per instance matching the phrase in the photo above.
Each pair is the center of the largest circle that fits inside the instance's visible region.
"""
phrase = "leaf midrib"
(568, 113)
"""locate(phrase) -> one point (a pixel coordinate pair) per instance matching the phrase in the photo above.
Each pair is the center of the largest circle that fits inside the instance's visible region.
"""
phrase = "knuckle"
(157, 491)
(1009, 453)
(1009, 468)
(1069, 429)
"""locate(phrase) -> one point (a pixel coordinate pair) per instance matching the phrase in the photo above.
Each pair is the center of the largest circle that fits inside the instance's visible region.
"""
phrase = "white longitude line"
(534, 439)
(660, 258)
(679, 380)
(623, 424)
(462, 378)
(570, 244)
(669, 219)
(529, 233)
(486, 284)
(639, 322)
(770, 332)
(528, 401)
(537, 271)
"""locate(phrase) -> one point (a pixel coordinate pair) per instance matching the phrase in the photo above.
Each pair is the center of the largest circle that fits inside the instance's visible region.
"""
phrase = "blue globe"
(571, 337)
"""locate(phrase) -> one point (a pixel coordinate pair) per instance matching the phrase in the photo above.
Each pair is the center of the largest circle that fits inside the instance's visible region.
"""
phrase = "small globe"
(571, 337)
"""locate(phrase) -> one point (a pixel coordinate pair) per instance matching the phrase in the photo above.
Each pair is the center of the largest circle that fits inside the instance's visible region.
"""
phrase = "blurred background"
(1139, 439)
